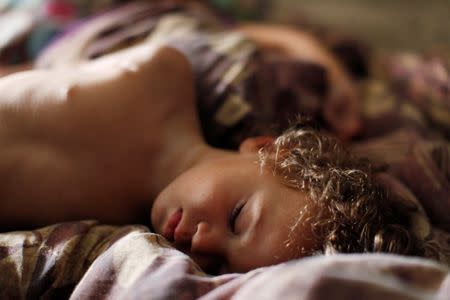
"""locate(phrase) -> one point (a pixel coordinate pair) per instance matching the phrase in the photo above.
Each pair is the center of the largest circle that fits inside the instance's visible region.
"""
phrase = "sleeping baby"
(116, 136)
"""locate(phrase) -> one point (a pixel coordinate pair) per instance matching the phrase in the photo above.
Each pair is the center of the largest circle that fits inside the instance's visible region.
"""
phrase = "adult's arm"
(342, 110)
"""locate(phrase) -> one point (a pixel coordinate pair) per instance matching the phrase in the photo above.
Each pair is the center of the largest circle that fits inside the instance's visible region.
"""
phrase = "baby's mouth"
(172, 223)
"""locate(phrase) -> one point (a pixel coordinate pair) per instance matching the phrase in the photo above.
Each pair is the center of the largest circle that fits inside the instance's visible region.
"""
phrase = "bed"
(87, 260)
(405, 125)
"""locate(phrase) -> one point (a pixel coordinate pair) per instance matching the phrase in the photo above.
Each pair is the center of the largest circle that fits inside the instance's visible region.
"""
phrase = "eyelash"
(234, 215)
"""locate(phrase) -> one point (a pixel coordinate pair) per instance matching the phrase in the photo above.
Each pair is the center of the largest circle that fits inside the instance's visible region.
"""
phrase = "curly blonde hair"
(354, 212)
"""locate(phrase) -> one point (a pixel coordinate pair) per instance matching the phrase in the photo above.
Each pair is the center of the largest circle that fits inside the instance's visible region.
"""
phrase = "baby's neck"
(177, 156)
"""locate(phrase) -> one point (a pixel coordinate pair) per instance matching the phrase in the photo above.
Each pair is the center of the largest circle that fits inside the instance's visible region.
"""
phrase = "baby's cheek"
(161, 206)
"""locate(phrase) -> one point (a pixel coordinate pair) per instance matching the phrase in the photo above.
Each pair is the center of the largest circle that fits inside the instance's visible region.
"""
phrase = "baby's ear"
(253, 144)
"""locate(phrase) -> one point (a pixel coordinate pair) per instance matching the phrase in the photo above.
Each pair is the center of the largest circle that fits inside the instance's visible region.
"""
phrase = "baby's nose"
(207, 239)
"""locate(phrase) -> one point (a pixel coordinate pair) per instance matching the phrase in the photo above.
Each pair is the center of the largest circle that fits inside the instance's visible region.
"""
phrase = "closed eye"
(235, 213)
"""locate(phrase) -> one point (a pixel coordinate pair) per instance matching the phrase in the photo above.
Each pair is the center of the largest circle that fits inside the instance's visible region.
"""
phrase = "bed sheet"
(87, 260)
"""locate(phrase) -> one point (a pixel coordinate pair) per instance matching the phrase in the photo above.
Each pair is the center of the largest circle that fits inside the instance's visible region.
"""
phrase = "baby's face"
(229, 216)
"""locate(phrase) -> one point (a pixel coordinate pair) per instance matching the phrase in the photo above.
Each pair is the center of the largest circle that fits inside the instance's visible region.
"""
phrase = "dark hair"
(354, 213)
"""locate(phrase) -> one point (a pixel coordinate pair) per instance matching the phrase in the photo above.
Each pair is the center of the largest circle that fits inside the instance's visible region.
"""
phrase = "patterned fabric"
(421, 164)
(32, 24)
(407, 115)
(406, 122)
(85, 260)
(29, 25)
(50, 261)
(413, 92)
(242, 90)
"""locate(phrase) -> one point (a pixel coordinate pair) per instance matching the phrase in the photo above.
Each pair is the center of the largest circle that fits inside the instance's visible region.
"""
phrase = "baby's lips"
(172, 223)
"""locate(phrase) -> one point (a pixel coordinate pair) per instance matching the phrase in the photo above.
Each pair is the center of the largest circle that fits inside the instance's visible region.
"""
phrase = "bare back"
(80, 141)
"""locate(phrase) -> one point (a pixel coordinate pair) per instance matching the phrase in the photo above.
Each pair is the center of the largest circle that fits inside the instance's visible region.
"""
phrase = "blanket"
(86, 260)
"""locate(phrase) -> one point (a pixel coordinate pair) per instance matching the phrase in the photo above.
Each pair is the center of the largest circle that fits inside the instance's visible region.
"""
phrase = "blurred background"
(385, 24)
(27, 26)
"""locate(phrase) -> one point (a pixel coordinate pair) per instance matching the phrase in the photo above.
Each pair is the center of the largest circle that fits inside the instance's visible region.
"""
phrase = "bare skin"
(115, 138)
(93, 133)
(342, 110)
(107, 140)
